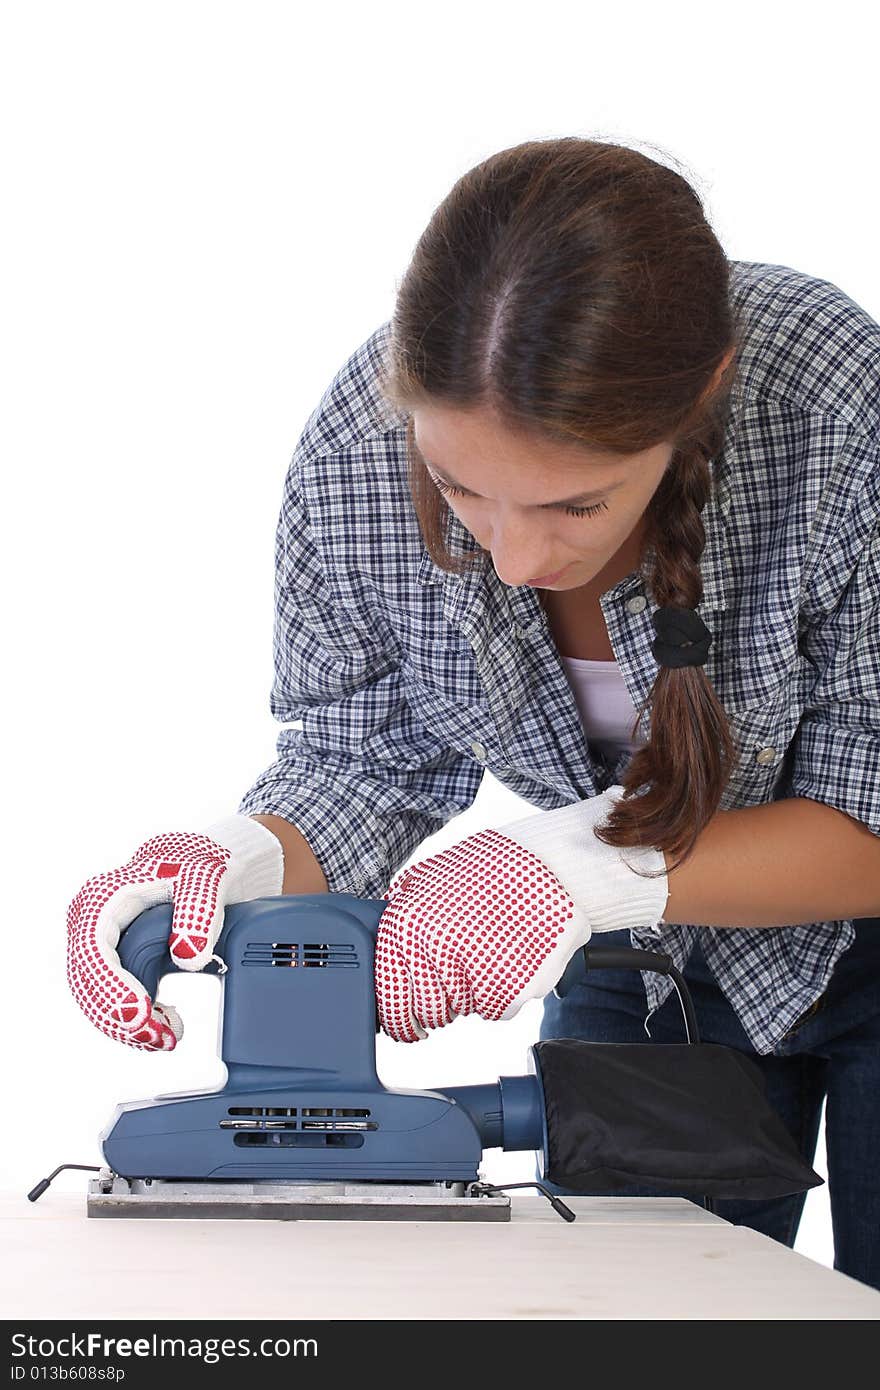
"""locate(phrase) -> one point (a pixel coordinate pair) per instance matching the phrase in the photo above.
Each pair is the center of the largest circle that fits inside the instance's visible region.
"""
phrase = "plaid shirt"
(407, 682)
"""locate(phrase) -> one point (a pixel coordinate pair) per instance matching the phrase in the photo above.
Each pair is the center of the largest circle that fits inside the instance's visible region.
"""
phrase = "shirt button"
(479, 752)
(765, 756)
(635, 605)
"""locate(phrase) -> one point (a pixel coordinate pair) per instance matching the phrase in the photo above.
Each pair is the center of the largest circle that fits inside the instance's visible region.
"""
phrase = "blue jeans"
(831, 1053)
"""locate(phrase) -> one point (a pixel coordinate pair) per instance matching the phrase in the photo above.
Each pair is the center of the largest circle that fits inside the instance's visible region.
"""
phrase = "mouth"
(547, 578)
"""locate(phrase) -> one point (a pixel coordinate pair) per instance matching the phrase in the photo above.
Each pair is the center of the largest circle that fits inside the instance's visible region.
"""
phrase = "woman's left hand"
(492, 921)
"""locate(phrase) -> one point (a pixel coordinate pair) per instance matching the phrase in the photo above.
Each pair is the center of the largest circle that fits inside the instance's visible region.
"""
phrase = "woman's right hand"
(234, 860)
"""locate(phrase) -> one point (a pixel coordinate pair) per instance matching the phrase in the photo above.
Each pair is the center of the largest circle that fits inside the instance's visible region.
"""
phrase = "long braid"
(690, 749)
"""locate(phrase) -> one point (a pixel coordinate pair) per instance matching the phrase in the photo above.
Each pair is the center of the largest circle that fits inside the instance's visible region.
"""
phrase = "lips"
(547, 578)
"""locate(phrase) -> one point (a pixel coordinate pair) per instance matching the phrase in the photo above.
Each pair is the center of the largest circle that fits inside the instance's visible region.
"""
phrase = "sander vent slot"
(329, 953)
(263, 1119)
(313, 1110)
(299, 1140)
(292, 953)
(261, 1110)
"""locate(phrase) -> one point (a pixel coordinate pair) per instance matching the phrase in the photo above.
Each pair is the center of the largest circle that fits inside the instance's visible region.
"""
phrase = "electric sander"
(303, 1128)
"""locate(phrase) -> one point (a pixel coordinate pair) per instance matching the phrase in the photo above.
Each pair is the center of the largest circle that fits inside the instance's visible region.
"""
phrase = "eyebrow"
(563, 501)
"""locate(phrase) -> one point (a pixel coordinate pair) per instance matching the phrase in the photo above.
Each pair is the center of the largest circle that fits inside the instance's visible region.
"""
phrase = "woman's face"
(524, 501)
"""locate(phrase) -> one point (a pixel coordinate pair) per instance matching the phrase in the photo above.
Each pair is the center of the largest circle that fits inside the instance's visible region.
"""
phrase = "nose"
(524, 563)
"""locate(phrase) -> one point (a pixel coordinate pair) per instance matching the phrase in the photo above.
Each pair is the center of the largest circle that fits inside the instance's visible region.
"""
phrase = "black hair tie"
(683, 638)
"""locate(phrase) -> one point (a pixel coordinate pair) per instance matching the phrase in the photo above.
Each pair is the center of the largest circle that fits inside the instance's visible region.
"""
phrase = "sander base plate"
(112, 1195)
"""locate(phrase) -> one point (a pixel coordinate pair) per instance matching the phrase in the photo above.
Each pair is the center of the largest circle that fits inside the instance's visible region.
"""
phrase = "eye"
(591, 510)
(572, 511)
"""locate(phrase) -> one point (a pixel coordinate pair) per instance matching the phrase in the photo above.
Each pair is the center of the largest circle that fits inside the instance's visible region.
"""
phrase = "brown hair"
(576, 288)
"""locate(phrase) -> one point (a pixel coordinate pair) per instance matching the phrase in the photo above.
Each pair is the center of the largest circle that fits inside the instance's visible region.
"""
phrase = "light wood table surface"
(622, 1258)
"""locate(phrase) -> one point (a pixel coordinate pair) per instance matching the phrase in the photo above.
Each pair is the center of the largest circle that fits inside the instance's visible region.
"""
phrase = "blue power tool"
(303, 1127)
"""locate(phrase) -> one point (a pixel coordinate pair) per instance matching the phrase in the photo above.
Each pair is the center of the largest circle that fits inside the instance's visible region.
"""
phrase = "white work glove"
(235, 860)
(493, 921)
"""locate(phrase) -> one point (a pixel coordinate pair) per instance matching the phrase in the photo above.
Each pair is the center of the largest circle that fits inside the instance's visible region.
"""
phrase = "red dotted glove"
(493, 921)
(235, 860)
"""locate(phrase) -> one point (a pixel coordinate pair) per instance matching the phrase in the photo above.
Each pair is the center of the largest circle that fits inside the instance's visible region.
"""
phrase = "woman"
(597, 509)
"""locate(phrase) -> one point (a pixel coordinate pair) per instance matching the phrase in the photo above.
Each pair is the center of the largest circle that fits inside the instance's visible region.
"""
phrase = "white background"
(208, 206)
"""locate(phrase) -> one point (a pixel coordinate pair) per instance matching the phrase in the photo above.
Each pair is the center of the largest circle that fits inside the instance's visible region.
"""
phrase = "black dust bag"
(683, 1119)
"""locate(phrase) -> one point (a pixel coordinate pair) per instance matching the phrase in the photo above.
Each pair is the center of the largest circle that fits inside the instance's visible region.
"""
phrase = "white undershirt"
(607, 712)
